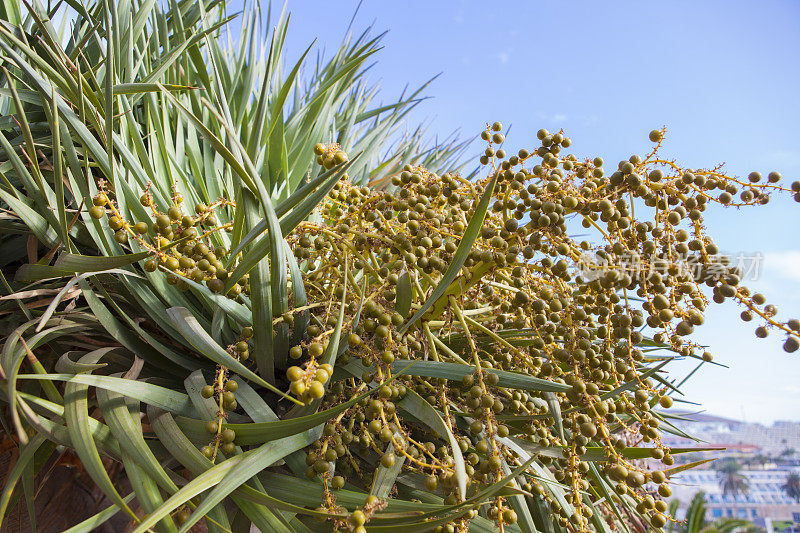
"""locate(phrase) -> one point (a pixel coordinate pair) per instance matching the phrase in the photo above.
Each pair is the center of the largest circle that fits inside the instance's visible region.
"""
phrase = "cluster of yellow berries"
(527, 300)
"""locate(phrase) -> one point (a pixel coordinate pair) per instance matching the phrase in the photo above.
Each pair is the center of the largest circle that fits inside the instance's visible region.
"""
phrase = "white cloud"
(504, 56)
(591, 120)
(785, 264)
(555, 118)
(783, 158)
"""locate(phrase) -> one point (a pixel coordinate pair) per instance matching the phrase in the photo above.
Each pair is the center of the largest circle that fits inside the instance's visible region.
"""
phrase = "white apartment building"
(764, 499)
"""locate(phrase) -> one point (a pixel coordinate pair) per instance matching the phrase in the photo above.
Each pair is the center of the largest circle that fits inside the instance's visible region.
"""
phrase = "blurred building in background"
(767, 456)
(764, 499)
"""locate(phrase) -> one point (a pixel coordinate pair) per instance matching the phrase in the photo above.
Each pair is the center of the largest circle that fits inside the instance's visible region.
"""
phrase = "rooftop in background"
(780, 440)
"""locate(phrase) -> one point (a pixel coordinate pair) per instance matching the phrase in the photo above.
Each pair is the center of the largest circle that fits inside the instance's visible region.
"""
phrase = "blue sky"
(722, 76)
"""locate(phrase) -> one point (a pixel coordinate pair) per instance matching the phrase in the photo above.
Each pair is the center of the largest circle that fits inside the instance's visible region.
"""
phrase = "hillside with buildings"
(757, 464)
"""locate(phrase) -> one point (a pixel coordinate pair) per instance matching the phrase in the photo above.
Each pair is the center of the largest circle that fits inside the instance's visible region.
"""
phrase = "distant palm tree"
(792, 486)
(759, 459)
(731, 479)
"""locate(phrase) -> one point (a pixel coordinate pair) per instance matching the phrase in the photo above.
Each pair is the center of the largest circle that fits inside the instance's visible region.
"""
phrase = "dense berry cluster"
(542, 326)
(182, 244)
